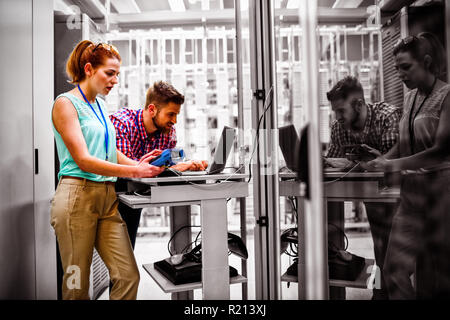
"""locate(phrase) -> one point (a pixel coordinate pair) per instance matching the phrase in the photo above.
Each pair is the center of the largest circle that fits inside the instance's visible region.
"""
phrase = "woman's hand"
(151, 155)
(192, 165)
(146, 170)
(378, 164)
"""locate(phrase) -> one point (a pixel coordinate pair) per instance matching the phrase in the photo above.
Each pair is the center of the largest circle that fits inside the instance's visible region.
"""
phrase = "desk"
(361, 186)
(210, 192)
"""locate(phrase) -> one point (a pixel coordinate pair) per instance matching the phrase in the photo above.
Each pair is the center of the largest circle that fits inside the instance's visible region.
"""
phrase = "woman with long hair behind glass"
(421, 226)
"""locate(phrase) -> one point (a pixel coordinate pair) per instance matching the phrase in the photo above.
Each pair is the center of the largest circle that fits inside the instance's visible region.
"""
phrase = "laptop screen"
(223, 149)
(289, 141)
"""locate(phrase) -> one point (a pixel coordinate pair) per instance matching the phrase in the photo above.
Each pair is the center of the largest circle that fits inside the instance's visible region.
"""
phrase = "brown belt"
(90, 181)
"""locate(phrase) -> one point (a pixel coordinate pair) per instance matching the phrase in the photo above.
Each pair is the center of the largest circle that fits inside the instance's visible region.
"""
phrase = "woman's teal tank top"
(94, 135)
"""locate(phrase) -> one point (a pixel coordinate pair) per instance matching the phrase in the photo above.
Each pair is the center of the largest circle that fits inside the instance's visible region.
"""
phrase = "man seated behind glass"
(374, 125)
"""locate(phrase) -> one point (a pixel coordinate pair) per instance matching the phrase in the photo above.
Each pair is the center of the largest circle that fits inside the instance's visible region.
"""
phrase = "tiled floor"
(153, 248)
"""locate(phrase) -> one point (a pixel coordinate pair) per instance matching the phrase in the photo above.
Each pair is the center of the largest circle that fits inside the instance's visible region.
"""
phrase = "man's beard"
(355, 120)
(159, 126)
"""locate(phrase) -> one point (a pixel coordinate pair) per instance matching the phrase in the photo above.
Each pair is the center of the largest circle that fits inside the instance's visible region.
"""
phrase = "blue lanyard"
(102, 122)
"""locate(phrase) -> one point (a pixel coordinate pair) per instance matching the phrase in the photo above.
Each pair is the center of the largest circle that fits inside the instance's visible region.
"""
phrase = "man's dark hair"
(161, 93)
(344, 88)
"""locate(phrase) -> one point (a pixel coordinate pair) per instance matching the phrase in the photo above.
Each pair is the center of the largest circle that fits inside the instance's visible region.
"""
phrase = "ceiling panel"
(325, 3)
(146, 5)
(228, 4)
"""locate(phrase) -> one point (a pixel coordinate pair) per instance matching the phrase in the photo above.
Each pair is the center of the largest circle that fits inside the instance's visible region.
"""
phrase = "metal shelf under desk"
(360, 282)
(168, 287)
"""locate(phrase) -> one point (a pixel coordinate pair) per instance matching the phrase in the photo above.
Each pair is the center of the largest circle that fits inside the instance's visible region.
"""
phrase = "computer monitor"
(288, 140)
(301, 152)
(221, 154)
(295, 151)
(223, 149)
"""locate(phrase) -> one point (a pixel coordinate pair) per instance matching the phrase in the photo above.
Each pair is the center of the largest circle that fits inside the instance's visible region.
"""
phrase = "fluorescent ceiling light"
(205, 5)
(293, 4)
(60, 5)
(126, 6)
(346, 4)
(177, 5)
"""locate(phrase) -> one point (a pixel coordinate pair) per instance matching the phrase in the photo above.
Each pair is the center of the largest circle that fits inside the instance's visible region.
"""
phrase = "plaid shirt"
(380, 130)
(132, 139)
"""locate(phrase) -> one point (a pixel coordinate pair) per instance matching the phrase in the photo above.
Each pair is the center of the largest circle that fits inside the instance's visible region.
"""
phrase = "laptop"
(295, 152)
(221, 154)
(289, 140)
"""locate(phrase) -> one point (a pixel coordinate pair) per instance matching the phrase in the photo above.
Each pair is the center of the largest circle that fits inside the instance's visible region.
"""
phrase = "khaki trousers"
(84, 214)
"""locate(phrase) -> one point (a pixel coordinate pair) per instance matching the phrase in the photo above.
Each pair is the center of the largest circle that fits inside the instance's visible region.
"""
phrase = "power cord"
(343, 176)
(256, 143)
(175, 233)
(343, 233)
(203, 187)
(190, 243)
(257, 131)
(329, 182)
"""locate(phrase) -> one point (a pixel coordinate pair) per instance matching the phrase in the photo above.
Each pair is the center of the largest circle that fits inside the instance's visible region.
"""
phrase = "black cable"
(294, 249)
(269, 94)
(344, 175)
(291, 201)
(187, 247)
(174, 234)
(192, 242)
(294, 205)
(341, 231)
(196, 238)
(296, 210)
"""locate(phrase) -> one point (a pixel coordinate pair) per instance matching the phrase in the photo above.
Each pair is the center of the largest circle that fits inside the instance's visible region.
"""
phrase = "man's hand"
(342, 163)
(146, 170)
(192, 165)
(373, 151)
(151, 155)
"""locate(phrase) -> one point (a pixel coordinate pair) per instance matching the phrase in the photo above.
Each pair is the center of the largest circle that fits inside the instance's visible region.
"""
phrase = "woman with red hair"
(84, 209)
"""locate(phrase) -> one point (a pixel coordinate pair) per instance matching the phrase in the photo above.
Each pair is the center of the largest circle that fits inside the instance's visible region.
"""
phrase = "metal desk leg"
(215, 270)
(336, 216)
(243, 215)
(180, 216)
(301, 248)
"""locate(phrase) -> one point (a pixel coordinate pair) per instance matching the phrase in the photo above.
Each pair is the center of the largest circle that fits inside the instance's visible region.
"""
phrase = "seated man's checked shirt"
(380, 131)
(132, 139)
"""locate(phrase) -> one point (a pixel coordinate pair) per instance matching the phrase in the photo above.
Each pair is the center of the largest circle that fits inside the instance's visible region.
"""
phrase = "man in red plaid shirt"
(149, 130)
(374, 125)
